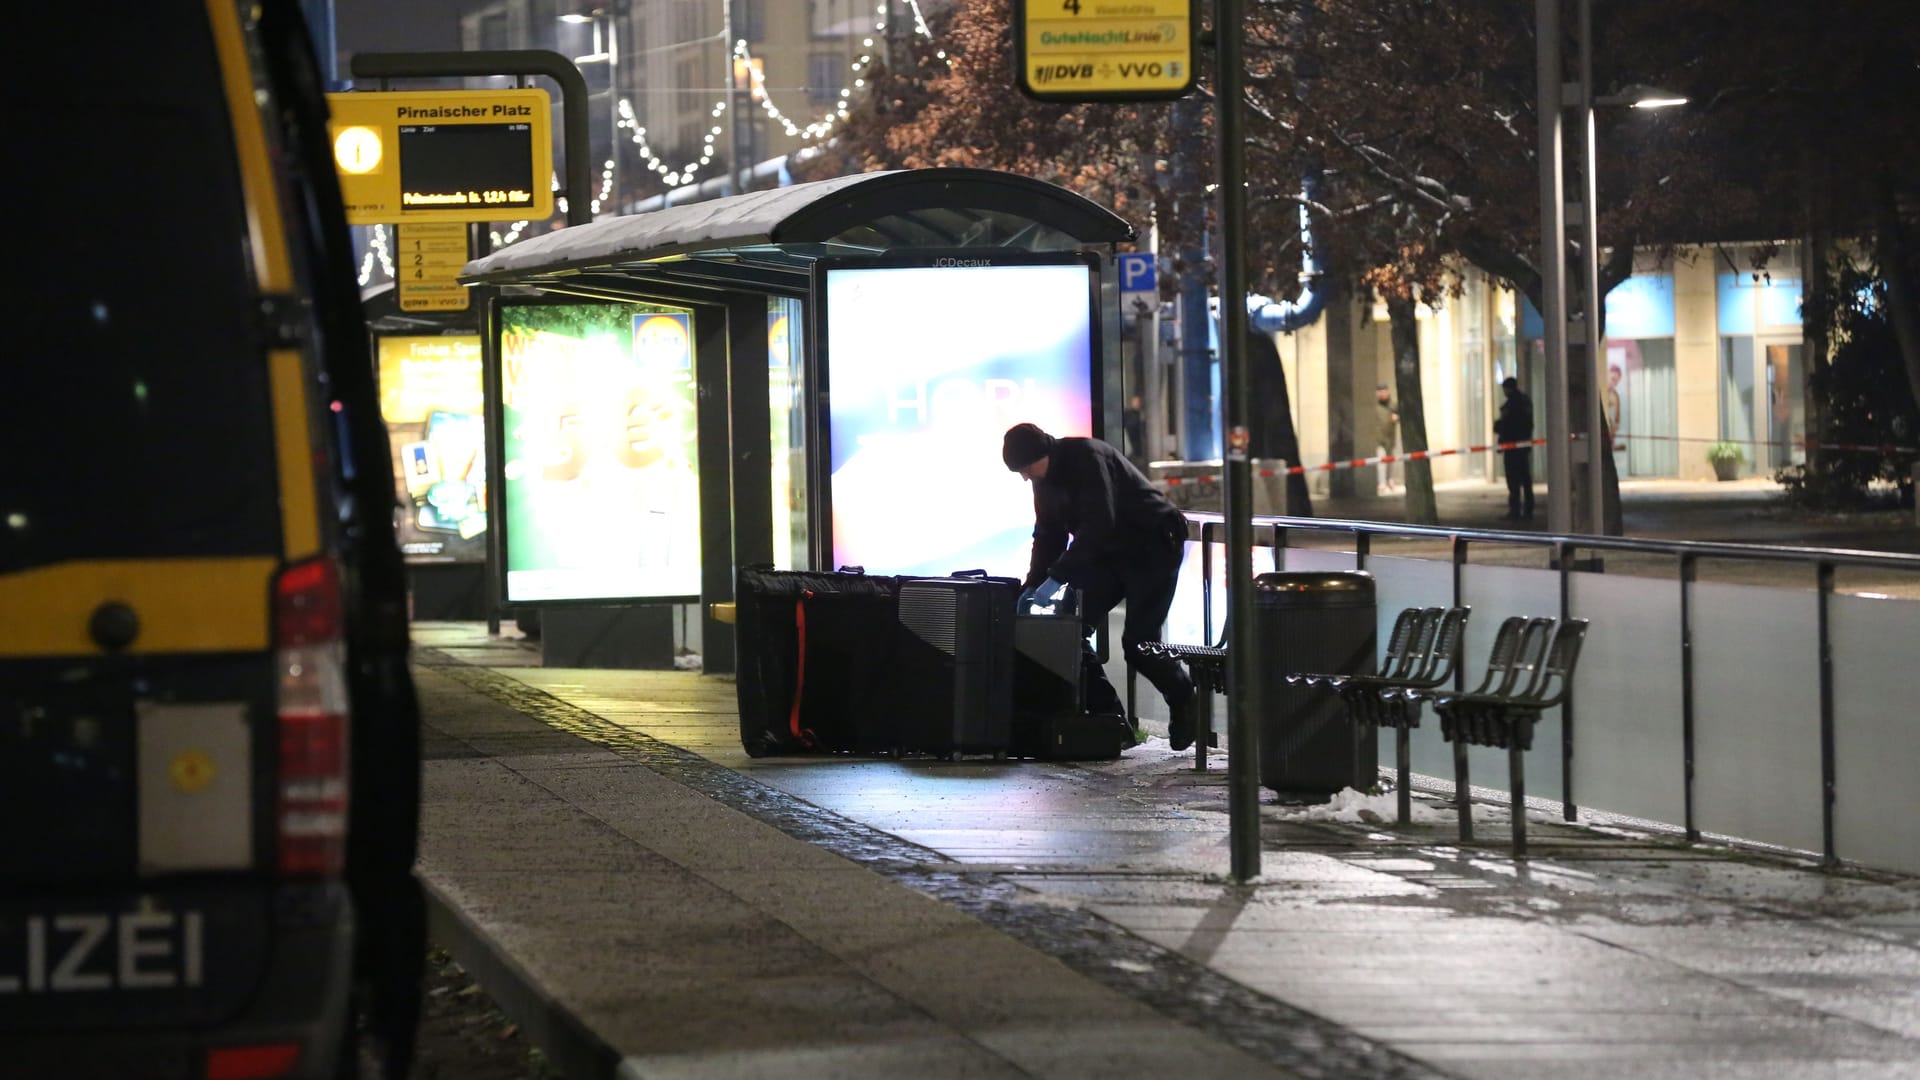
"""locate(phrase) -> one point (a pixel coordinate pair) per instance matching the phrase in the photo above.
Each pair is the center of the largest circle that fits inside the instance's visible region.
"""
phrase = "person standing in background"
(1133, 430)
(1515, 425)
(1387, 425)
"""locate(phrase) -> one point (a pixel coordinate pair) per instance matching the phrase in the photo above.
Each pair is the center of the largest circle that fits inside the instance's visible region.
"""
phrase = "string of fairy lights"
(379, 250)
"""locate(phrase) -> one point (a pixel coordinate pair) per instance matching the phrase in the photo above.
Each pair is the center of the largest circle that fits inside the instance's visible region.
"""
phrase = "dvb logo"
(1046, 73)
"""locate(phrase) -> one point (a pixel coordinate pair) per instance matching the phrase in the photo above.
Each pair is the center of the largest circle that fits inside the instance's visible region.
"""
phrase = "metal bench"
(1529, 670)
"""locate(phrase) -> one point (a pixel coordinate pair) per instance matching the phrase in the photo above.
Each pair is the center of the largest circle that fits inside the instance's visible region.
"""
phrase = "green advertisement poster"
(600, 471)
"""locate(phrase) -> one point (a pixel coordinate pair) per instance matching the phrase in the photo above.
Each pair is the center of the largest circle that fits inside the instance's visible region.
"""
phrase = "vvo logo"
(1134, 71)
(1046, 73)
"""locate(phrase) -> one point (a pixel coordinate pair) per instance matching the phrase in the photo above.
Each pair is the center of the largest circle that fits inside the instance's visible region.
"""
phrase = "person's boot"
(1181, 723)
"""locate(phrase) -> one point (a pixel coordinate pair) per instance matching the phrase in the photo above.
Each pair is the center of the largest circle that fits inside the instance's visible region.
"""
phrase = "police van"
(209, 741)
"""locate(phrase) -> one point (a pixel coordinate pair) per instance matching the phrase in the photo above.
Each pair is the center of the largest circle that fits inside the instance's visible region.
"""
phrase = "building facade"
(685, 91)
(1699, 350)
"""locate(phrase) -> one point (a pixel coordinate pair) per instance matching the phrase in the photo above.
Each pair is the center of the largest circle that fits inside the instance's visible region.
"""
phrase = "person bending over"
(1099, 526)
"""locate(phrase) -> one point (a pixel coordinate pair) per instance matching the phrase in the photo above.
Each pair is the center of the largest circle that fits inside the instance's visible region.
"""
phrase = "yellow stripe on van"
(184, 605)
(273, 276)
(272, 267)
(299, 512)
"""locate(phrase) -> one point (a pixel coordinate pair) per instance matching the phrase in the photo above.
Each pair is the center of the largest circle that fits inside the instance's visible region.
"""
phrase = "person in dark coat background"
(1515, 425)
(1099, 526)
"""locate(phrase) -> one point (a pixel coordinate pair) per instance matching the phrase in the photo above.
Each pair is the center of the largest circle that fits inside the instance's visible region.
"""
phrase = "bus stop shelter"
(725, 261)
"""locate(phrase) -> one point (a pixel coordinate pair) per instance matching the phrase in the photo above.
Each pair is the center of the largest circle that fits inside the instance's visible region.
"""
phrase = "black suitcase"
(952, 665)
(1050, 717)
(813, 650)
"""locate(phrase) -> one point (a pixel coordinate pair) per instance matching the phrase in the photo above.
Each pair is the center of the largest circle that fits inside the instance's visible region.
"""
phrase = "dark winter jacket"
(1515, 423)
(1094, 495)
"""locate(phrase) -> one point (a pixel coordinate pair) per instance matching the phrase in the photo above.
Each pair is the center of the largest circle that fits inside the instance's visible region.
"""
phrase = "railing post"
(1402, 752)
(1517, 797)
(1204, 735)
(1687, 572)
(1825, 574)
(1206, 586)
(1362, 545)
(1568, 811)
(1462, 781)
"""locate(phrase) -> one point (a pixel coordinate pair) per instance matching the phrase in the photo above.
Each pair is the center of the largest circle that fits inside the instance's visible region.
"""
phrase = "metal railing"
(1275, 534)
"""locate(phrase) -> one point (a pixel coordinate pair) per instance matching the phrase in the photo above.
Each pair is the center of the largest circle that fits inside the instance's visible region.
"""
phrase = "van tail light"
(311, 652)
(252, 1062)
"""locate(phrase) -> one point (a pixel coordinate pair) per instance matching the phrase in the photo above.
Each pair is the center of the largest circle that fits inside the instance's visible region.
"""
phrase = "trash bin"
(1314, 622)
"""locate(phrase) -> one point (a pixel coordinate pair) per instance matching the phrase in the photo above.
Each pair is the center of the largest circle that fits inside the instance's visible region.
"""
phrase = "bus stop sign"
(1104, 50)
(443, 155)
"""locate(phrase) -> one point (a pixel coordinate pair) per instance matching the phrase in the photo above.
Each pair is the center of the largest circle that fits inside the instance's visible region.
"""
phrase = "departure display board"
(489, 165)
(443, 155)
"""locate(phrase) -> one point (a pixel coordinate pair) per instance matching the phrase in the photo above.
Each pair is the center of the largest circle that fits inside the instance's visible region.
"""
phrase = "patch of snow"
(1356, 806)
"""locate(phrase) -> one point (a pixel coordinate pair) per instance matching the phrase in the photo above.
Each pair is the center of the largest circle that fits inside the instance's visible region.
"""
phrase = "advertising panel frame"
(499, 315)
(466, 554)
(819, 419)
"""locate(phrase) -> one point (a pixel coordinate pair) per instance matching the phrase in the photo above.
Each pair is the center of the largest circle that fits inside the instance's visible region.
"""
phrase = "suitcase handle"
(803, 734)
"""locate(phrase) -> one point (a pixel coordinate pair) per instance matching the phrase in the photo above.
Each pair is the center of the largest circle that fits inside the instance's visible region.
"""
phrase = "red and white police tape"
(1425, 455)
(1355, 463)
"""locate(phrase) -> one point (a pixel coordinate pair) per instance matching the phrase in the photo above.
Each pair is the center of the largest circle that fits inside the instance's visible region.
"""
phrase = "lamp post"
(1560, 327)
(605, 50)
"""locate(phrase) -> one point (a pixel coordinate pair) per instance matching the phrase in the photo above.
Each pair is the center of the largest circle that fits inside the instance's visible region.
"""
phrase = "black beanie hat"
(1024, 444)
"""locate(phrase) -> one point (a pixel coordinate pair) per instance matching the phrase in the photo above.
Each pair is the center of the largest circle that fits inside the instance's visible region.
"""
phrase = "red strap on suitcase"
(800, 670)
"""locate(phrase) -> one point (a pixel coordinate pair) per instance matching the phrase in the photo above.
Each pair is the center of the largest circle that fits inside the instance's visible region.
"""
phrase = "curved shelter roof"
(768, 240)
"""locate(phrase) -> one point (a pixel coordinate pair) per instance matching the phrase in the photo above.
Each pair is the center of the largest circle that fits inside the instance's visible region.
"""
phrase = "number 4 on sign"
(1071, 7)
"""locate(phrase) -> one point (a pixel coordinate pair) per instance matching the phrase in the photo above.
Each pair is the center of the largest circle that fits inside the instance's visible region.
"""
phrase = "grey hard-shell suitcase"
(952, 665)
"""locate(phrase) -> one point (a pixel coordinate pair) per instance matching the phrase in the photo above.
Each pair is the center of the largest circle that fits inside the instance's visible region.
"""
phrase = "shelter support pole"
(1553, 263)
(1593, 508)
(711, 366)
(751, 460)
(1243, 655)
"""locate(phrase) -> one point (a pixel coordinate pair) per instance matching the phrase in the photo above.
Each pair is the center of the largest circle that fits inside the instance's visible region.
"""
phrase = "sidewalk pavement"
(647, 901)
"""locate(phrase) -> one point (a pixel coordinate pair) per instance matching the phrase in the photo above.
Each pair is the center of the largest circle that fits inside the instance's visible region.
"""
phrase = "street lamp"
(1642, 96)
(605, 50)
(1556, 96)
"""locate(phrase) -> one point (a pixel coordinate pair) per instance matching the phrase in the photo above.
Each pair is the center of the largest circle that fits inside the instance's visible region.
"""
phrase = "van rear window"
(134, 409)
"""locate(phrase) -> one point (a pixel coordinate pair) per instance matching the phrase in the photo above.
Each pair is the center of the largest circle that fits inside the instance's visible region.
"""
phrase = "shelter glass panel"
(1756, 714)
(1876, 806)
(786, 415)
(1630, 753)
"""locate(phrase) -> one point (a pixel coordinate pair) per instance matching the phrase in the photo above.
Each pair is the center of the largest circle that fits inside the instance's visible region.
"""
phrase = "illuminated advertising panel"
(430, 398)
(600, 477)
(927, 366)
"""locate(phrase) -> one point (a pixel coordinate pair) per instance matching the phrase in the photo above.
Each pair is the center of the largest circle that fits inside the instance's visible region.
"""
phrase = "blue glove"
(1049, 590)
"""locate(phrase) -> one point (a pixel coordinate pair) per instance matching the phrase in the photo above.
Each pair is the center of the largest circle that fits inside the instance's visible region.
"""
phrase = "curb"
(572, 1049)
